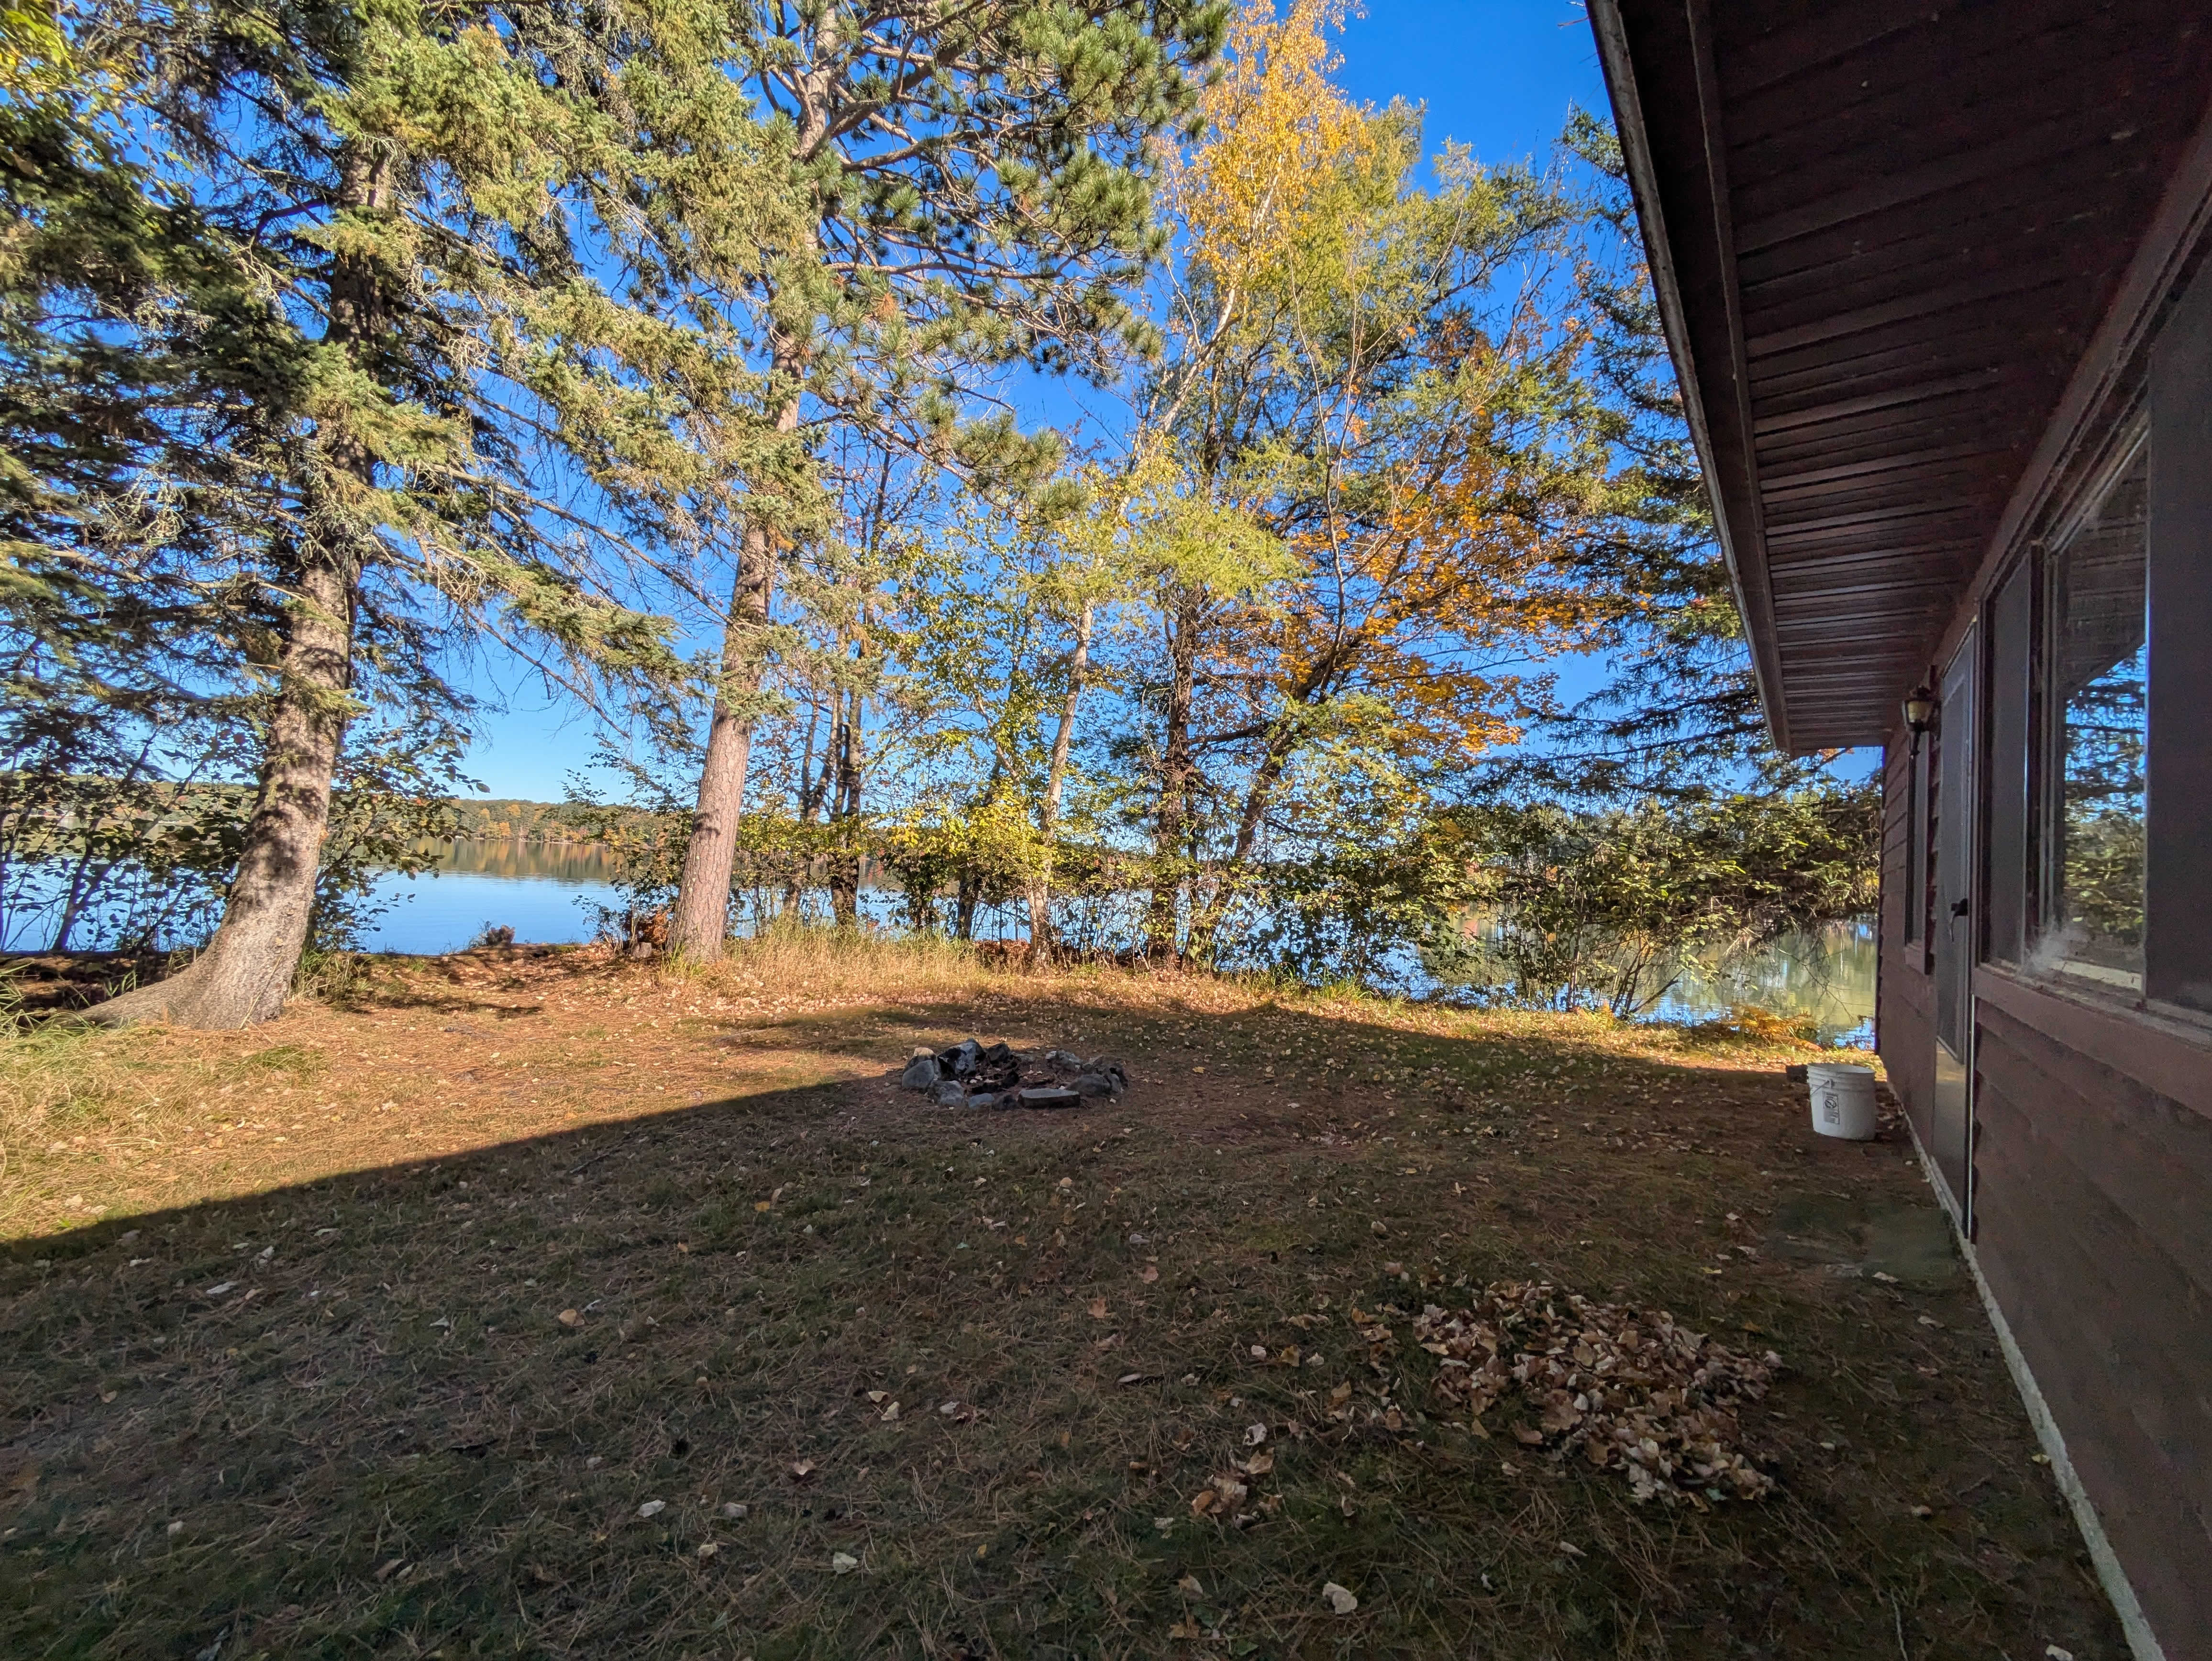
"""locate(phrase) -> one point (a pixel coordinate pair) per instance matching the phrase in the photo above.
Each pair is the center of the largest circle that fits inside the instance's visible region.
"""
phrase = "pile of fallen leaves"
(1631, 1388)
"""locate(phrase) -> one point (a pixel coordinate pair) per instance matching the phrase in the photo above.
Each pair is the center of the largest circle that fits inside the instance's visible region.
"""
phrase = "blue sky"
(1497, 75)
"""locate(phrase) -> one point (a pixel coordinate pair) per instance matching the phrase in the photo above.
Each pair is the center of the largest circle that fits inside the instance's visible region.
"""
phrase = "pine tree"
(975, 178)
(466, 385)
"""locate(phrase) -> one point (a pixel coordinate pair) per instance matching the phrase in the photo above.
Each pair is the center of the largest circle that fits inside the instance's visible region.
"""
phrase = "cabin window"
(2010, 633)
(2099, 735)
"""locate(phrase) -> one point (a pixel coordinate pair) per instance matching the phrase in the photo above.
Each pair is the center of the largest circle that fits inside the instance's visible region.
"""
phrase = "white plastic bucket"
(1843, 1099)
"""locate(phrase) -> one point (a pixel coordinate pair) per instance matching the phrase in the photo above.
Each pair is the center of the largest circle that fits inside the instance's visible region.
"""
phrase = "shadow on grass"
(504, 1402)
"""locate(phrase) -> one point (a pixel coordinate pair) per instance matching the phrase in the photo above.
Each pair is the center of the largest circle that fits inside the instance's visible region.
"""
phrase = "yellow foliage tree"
(1346, 371)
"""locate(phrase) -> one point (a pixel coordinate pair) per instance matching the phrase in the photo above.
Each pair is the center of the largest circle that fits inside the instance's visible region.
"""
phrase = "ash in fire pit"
(971, 1075)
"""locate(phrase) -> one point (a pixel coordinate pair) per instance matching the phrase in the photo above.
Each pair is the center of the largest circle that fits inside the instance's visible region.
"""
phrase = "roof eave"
(1708, 360)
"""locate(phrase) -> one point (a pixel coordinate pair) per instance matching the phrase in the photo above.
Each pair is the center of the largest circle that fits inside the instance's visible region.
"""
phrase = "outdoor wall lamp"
(1920, 709)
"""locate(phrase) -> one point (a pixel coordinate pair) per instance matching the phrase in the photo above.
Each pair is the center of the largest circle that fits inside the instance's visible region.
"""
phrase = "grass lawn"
(462, 1315)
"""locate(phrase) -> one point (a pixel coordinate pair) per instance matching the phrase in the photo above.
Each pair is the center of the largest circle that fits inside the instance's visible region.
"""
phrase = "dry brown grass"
(382, 1438)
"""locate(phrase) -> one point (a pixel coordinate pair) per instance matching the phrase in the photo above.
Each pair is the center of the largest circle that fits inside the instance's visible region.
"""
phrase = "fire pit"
(998, 1076)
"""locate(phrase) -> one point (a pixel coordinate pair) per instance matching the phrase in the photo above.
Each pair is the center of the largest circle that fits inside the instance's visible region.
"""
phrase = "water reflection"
(543, 892)
(529, 862)
(1828, 975)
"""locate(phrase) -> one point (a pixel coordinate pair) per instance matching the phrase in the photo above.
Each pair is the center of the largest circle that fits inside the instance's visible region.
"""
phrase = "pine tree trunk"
(702, 918)
(247, 969)
(246, 972)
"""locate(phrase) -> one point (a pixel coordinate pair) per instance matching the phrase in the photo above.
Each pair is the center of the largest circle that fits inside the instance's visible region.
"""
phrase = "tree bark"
(702, 918)
(246, 972)
(247, 969)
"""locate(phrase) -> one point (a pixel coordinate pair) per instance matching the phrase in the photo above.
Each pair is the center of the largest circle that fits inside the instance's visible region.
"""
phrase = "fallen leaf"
(1151, 1274)
(801, 1470)
(708, 1548)
(1189, 1584)
(1571, 1549)
(1202, 1502)
(1097, 1307)
(653, 1508)
(843, 1562)
(1339, 1598)
(892, 1414)
(1258, 1464)
(570, 1317)
(1254, 1434)
(733, 1512)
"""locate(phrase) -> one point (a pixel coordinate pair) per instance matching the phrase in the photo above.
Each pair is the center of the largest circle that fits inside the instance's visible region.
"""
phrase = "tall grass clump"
(54, 1070)
(824, 959)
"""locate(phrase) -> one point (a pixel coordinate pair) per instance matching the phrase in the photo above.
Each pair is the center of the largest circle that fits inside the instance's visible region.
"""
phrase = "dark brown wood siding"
(1904, 1020)
(2093, 1161)
(2093, 1229)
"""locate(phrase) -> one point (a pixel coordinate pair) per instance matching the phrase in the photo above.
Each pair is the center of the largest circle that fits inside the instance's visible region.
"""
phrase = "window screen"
(2101, 665)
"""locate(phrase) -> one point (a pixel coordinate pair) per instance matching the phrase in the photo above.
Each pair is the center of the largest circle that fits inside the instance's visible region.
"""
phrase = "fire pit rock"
(977, 1075)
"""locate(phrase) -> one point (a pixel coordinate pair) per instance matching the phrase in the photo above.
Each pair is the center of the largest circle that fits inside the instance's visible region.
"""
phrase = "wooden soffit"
(1886, 237)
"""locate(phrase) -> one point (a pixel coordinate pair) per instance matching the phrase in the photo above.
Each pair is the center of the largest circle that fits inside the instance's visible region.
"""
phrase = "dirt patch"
(848, 1375)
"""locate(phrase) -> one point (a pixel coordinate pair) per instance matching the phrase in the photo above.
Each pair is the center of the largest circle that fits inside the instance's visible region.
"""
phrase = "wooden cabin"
(1935, 275)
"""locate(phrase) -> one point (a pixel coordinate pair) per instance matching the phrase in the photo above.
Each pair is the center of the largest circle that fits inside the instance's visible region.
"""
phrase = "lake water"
(543, 894)
(538, 892)
(547, 894)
